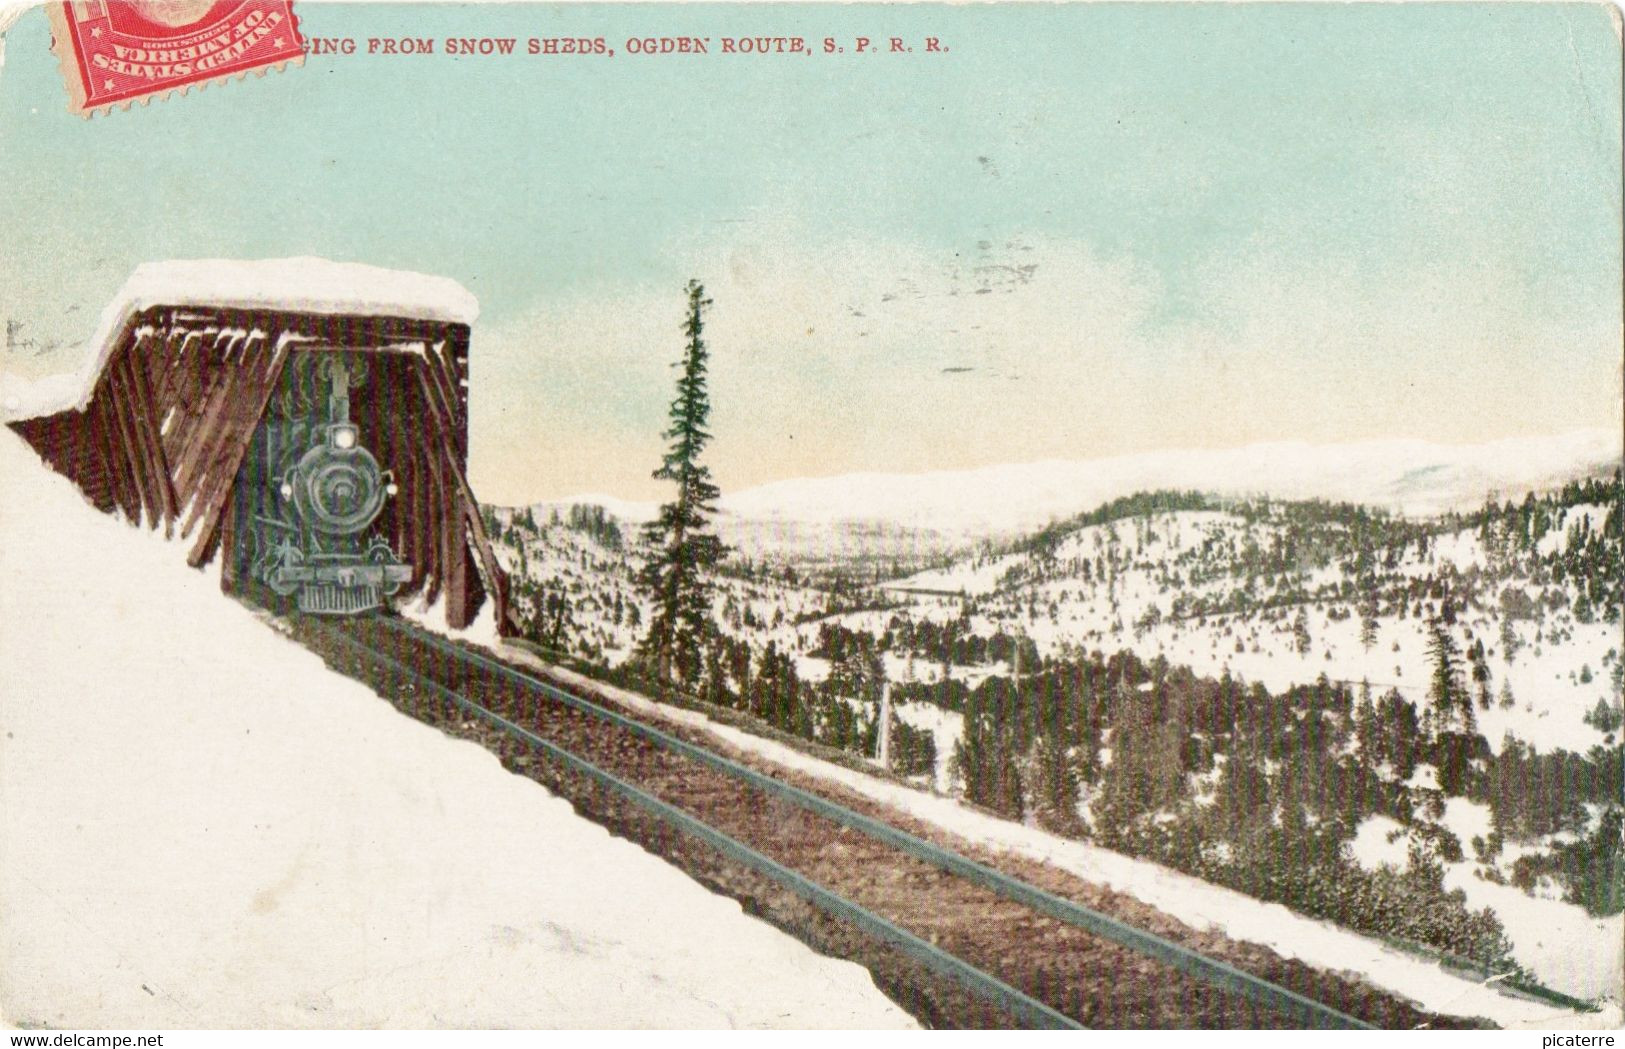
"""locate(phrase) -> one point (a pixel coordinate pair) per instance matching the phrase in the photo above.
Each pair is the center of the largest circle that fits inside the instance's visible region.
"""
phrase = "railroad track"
(955, 940)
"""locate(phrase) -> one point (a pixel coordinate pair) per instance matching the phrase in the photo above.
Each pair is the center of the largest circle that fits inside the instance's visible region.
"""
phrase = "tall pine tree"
(1452, 704)
(675, 577)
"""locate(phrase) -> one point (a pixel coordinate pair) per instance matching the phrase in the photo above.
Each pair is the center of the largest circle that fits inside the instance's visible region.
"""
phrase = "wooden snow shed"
(180, 373)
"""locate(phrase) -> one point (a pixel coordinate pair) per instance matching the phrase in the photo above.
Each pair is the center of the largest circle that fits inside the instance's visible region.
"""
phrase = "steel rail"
(1027, 1010)
(1307, 1011)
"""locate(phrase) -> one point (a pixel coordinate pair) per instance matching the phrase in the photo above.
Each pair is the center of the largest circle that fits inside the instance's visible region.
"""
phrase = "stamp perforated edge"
(67, 60)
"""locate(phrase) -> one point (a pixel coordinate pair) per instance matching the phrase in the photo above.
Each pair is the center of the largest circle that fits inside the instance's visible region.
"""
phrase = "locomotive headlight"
(344, 437)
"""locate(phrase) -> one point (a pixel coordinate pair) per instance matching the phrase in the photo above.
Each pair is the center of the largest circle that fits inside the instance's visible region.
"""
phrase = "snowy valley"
(1399, 714)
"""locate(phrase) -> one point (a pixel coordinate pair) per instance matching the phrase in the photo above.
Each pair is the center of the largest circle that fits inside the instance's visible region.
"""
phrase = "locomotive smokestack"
(339, 402)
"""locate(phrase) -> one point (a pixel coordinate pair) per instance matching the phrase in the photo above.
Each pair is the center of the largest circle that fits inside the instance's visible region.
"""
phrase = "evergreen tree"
(1053, 783)
(1300, 631)
(1366, 728)
(1456, 745)
(551, 623)
(1451, 703)
(913, 751)
(1368, 620)
(1603, 717)
(1399, 732)
(984, 759)
(1481, 674)
(857, 672)
(1146, 775)
(675, 576)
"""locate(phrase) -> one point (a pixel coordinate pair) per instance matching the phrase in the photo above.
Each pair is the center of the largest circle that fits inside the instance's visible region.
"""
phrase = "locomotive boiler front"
(337, 486)
(315, 543)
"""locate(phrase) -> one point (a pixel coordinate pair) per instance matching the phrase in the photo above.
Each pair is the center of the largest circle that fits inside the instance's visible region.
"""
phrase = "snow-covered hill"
(1258, 592)
(202, 827)
(934, 510)
(1202, 589)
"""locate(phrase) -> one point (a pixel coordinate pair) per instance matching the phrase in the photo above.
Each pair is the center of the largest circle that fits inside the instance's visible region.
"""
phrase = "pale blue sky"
(1139, 226)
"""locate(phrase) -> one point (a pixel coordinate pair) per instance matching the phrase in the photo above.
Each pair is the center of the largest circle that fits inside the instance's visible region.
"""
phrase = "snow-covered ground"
(202, 827)
(1572, 951)
(1195, 902)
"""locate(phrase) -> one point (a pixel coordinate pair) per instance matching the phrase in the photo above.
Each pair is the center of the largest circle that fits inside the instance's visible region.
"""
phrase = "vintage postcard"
(560, 516)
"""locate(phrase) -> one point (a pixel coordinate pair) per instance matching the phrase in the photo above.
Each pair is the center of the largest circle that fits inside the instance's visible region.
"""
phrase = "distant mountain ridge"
(1408, 476)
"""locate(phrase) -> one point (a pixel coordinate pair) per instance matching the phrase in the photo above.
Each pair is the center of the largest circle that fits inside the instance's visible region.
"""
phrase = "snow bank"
(1190, 900)
(1567, 948)
(1381, 840)
(202, 827)
(308, 285)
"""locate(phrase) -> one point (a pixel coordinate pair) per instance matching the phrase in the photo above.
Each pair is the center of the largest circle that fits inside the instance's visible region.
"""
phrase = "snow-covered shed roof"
(299, 285)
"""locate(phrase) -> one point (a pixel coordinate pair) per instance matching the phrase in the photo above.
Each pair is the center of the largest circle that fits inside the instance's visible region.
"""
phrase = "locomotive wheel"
(379, 553)
(288, 556)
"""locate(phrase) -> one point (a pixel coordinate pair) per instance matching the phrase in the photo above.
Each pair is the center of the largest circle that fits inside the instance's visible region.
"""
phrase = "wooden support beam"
(209, 439)
(458, 611)
(117, 394)
(469, 528)
(104, 430)
(434, 493)
(152, 447)
(441, 369)
(204, 436)
(257, 379)
(188, 380)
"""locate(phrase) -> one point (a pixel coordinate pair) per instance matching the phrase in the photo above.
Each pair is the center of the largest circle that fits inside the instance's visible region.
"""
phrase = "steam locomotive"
(313, 493)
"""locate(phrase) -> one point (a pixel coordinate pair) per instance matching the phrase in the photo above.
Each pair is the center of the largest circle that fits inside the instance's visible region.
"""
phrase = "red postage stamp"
(114, 52)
